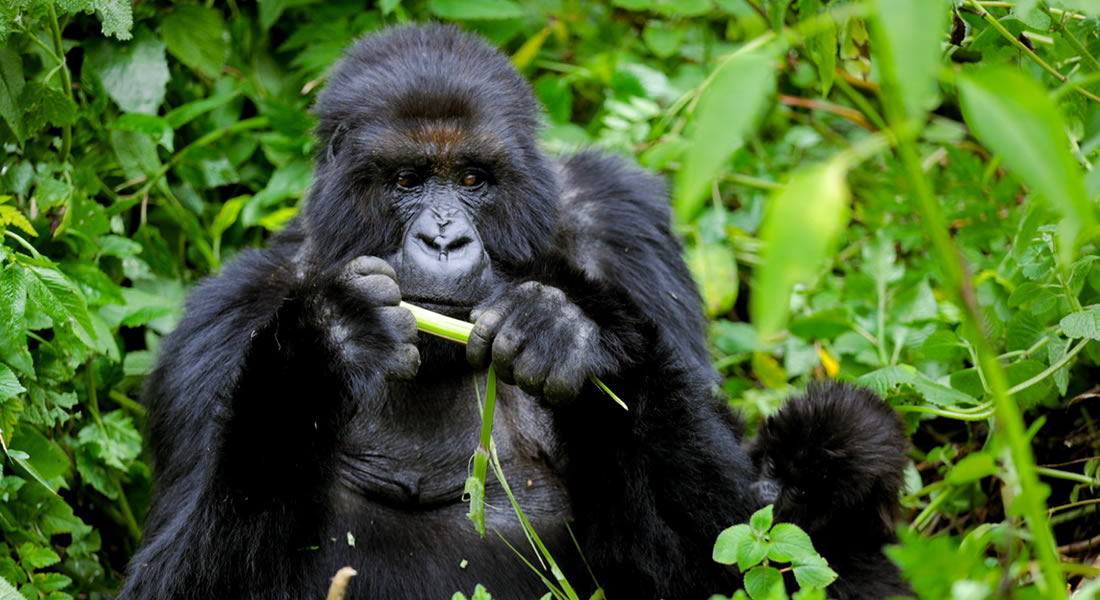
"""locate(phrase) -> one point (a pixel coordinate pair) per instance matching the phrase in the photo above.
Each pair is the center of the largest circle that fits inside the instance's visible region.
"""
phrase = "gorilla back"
(299, 424)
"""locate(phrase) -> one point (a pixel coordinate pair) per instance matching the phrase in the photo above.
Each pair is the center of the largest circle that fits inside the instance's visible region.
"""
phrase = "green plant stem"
(1059, 474)
(921, 520)
(1072, 40)
(1008, 418)
(1023, 385)
(22, 242)
(127, 513)
(456, 330)
(958, 416)
(66, 81)
(993, 22)
(126, 402)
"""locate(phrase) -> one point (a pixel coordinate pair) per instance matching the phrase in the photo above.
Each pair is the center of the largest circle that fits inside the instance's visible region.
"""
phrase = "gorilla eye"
(407, 180)
(472, 179)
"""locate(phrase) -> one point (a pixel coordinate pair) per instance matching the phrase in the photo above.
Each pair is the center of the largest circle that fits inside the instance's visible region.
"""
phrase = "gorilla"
(299, 423)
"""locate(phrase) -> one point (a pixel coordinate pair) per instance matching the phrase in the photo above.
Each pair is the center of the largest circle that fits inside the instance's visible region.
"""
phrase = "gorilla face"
(443, 163)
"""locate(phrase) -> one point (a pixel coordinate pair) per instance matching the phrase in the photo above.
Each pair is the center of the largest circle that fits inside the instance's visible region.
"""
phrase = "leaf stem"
(66, 81)
(1023, 385)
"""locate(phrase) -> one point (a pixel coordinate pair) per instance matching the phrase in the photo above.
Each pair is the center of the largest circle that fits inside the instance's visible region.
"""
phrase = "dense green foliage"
(835, 225)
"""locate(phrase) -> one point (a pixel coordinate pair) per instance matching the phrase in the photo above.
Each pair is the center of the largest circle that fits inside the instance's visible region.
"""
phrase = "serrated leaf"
(1082, 324)
(8, 592)
(915, 303)
(765, 583)
(9, 383)
(36, 557)
(751, 550)
(9, 215)
(761, 520)
(56, 296)
(195, 34)
(789, 543)
(813, 571)
(1013, 115)
(715, 270)
(462, 10)
(726, 112)
(803, 223)
(886, 379)
(13, 324)
(11, 88)
(725, 548)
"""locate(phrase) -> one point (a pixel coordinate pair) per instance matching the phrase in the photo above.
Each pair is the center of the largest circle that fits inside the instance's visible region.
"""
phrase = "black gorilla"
(299, 424)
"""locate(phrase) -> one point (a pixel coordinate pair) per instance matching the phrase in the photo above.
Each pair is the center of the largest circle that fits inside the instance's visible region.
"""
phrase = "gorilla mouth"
(452, 307)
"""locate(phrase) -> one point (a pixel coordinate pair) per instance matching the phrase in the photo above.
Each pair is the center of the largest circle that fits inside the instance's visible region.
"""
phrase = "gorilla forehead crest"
(442, 81)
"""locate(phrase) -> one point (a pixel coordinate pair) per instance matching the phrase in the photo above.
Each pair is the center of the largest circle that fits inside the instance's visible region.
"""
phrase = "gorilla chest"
(410, 447)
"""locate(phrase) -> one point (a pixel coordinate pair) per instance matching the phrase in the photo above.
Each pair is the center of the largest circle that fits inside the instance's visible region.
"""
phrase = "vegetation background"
(902, 193)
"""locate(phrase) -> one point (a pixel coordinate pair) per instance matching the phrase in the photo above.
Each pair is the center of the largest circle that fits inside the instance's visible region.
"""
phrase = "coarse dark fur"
(298, 424)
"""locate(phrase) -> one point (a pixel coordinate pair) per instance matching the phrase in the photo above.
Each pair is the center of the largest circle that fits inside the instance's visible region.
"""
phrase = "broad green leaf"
(13, 323)
(8, 591)
(662, 38)
(1012, 115)
(195, 34)
(915, 303)
(802, 225)
(725, 548)
(45, 460)
(11, 87)
(463, 10)
(942, 345)
(822, 325)
(751, 550)
(734, 337)
(728, 107)
(36, 557)
(909, 33)
(765, 583)
(715, 269)
(789, 543)
(116, 16)
(1038, 393)
(813, 571)
(44, 105)
(761, 520)
(270, 10)
(972, 468)
(114, 440)
(135, 74)
(1082, 324)
(823, 51)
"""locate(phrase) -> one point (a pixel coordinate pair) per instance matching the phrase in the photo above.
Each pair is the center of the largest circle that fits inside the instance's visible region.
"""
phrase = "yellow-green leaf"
(715, 269)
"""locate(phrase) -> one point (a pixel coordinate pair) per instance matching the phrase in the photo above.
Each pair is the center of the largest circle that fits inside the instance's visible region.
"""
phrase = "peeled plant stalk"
(457, 330)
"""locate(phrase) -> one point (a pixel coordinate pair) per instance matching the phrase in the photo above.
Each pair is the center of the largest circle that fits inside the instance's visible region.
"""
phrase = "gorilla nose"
(442, 251)
(444, 245)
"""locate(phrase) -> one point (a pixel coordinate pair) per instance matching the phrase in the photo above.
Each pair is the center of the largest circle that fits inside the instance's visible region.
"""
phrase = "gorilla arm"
(653, 486)
(244, 407)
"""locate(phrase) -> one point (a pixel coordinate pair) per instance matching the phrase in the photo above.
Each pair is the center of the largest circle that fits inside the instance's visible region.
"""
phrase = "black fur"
(298, 426)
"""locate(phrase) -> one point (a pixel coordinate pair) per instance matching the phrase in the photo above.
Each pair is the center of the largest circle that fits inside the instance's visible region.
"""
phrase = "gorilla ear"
(336, 141)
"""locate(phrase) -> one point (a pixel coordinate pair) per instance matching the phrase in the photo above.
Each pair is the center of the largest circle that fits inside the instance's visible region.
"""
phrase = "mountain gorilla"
(299, 424)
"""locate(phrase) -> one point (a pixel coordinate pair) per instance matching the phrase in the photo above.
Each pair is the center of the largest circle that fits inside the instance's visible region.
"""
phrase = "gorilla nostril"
(430, 242)
(457, 244)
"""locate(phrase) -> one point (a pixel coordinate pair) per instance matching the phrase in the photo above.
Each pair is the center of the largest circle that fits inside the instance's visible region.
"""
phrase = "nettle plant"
(759, 546)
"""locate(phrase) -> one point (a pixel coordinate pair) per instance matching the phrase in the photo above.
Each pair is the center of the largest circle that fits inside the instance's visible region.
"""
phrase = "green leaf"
(44, 105)
(1012, 115)
(789, 543)
(972, 468)
(116, 16)
(9, 384)
(802, 225)
(114, 440)
(1082, 324)
(56, 296)
(813, 571)
(942, 345)
(886, 379)
(915, 303)
(715, 269)
(822, 325)
(153, 126)
(8, 592)
(134, 75)
(908, 39)
(11, 88)
(36, 557)
(734, 338)
(751, 550)
(196, 35)
(13, 324)
(662, 38)
(462, 10)
(823, 51)
(761, 520)
(725, 548)
(9, 215)
(45, 461)
(727, 110)
(765, 583)
(1038, 393)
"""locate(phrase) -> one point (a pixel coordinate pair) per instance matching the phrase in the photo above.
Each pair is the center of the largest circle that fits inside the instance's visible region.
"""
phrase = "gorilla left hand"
(538, 339)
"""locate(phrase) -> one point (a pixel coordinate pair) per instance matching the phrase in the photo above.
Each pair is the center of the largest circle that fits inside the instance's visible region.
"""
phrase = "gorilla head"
(432, 132)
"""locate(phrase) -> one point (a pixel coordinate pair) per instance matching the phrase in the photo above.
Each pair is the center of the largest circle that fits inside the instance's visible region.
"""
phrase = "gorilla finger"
(377, 289)
(401, 321)
(369, 265)
(506, 346)
(486, 323)
(562, 386)
(404, 362)
(530, 370)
